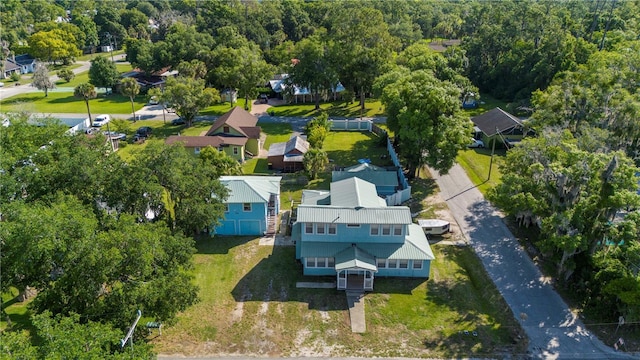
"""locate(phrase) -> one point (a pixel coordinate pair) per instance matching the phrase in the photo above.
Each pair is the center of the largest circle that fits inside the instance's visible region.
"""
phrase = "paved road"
(9, 91)
(553, 331)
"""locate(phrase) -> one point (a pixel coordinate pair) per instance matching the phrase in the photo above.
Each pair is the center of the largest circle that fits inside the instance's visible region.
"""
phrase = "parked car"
(91, 131)
(115, 135)
(101, 120)
(142, 133)
(263, 98)
(178, 121)
(154, 100)
(475, 143)
(169, 108)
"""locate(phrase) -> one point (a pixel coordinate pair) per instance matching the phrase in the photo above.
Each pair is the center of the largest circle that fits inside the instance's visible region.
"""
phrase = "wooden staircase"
(271, 225)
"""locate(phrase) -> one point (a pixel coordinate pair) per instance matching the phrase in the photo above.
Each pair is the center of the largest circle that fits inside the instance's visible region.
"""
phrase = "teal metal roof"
(415, 247)
(355, 192)
(315, 197)
(364, 167)
(251, 189)
(347, 215)
(354, 257)
(378, 178)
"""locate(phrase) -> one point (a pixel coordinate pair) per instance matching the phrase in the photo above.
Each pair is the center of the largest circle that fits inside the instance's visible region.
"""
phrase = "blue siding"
(350, 235)
(409, 272)
(318, 271)
(227, 227)
(237, 214)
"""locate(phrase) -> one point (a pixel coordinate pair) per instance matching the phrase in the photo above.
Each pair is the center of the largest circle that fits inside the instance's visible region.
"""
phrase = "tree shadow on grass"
(206, 244)
(485, 325)
(274, 279)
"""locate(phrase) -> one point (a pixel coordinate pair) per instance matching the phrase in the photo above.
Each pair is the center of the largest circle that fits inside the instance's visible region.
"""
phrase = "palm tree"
(87, 92)
(315, 161)
(129, 87)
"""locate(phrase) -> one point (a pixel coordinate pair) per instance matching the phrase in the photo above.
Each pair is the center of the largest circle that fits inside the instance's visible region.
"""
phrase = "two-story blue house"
(252, 207)
(351, 233)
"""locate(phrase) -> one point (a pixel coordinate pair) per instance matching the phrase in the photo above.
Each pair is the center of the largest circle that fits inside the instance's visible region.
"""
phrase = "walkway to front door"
(355, 300)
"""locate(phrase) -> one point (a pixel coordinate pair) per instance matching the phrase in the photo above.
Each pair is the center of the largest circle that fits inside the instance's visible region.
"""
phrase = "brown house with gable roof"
(235, 133)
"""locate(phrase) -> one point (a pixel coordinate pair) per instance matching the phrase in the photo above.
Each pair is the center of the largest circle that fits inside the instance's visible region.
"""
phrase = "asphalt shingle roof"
(495, 120)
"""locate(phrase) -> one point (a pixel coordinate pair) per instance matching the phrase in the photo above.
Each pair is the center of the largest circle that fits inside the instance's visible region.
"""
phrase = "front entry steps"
(355, 301)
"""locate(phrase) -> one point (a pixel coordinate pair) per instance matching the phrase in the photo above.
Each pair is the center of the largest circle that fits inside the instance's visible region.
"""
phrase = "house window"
(246, 206)
(353, 225)
(333, 229)
(320, 228)
(403, 264)
(320, 262)
(375, 230)
(225, 129)
(417, 264)
(397, 230)
(393, 263)
(381, 263)
(308, 228)
(311, 262)
(235, 150)
(226, 208)
(197, 150)
(386, 229)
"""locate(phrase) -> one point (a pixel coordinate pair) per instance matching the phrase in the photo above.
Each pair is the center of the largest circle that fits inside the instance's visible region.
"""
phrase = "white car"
(101, 120)
(475, 143)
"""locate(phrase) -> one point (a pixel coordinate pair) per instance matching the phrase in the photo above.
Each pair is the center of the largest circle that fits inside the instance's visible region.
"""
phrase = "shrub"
(66, 74)
(15, 76)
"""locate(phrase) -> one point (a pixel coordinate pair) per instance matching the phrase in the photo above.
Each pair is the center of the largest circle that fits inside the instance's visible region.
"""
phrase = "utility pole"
(108, 35)
(493, 150)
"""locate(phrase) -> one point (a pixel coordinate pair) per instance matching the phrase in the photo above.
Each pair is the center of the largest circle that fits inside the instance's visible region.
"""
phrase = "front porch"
(354, 269)
(355, 279)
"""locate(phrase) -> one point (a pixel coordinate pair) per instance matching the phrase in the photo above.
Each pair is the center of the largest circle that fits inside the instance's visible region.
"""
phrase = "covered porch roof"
(355, 258)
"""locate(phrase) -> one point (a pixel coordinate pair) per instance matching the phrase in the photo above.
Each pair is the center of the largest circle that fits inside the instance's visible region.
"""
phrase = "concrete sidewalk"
(355, 301)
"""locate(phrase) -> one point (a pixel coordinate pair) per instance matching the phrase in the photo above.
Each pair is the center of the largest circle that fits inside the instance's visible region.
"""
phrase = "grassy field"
(84, 77)
(476, 162)
(250, 306)
(337, 108)
(65, 102)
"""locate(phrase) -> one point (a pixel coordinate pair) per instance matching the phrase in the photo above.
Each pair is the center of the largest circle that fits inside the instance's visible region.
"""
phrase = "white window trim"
(417, 262)
(374, 227)
(306, 228)
(382, 228)
(244, 208)
(335, 229)
(321, 226)
(319, 262)
(226, 208)
(397, 227)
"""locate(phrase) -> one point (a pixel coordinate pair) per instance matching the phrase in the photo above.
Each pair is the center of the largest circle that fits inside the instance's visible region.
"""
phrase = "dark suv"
(142, 133)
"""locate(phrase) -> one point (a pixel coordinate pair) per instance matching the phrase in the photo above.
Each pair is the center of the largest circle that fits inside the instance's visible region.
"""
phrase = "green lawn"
(337, 108)
(222, 108)
(84, 77)
(250, 306)
(476, 162)
(65, 102)
(487, 103)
